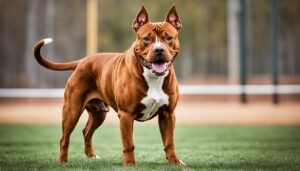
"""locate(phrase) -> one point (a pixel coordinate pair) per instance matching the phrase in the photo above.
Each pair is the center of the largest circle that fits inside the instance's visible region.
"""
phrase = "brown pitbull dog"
(138, 84)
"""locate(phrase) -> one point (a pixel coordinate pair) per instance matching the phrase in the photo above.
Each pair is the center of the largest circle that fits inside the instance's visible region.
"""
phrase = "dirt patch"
(48, 111)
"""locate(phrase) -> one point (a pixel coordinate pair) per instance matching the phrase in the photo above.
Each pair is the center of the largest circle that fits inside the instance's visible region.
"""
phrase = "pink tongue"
(159, 67)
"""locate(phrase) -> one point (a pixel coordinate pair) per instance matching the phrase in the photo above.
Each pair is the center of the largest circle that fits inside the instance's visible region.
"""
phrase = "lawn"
(35, 147)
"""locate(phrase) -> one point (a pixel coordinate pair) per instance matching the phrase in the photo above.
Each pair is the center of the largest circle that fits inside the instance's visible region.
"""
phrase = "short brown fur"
(116, 80)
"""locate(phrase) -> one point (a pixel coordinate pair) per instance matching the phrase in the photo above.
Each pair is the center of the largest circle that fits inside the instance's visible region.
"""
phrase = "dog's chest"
(155, 98)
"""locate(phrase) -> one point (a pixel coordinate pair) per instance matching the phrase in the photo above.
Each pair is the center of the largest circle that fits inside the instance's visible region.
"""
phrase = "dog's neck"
(132, 63)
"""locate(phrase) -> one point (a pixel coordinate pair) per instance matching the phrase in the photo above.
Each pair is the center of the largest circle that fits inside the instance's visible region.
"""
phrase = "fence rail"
(183, 89)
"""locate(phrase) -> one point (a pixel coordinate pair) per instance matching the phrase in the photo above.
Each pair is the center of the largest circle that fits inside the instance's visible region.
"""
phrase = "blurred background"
(238, 55)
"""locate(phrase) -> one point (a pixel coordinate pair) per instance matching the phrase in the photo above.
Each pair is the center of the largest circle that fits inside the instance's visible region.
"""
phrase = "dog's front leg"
(126, 127)
(166, 125)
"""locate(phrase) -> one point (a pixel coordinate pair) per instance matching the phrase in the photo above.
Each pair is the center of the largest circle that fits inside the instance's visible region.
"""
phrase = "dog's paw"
(63, 161)
(63, 158)
(129, 163)
(181, 163)
(176, 161)
(96, 157)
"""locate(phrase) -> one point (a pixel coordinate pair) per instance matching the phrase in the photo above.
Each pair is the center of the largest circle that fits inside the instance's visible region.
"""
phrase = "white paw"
(181, 163)
(96, 157)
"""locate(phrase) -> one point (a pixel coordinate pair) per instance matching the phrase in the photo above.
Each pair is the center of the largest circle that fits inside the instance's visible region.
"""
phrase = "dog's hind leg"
(71, 114)
(72, 110)
(97, 110)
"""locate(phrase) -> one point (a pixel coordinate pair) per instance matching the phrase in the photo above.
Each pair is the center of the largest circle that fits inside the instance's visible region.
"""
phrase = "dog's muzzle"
(159, 67)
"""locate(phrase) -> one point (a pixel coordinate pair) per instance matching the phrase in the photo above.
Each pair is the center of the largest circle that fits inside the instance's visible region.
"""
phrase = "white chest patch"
(156, 97)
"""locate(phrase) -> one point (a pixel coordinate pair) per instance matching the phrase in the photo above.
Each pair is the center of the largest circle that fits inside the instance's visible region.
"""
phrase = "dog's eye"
(169, 38)
(147, 39)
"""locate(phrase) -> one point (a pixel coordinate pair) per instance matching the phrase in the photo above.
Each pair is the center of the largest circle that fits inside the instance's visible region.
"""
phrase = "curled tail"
(49, 64)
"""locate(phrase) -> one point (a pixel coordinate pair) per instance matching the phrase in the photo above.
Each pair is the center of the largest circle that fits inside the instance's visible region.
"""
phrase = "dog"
(138, 84)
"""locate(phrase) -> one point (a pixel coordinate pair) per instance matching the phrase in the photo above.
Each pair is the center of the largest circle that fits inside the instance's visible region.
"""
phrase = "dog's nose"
(158, 50)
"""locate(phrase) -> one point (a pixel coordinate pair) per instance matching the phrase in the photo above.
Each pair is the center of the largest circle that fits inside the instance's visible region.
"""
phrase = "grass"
(35, 147)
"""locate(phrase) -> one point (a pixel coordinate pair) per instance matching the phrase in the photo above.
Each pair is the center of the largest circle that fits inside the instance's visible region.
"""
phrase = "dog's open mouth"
(160, 67)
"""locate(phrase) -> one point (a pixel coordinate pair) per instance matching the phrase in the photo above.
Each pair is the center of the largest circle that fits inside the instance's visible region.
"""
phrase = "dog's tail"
(49, 64)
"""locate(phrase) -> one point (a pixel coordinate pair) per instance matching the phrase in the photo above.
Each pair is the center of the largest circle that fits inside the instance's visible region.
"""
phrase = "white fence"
(183, 89)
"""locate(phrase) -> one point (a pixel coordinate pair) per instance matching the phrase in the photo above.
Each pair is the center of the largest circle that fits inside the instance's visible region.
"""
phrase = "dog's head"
(157, 43)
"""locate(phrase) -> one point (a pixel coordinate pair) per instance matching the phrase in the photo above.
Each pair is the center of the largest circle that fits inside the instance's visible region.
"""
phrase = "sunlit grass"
(35, 147)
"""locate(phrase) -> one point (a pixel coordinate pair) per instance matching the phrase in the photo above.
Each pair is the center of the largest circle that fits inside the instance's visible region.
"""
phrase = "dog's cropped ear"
(141, 19)
(173, 18)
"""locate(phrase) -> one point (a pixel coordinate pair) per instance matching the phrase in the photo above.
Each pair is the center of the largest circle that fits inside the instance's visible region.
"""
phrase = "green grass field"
(200, 147)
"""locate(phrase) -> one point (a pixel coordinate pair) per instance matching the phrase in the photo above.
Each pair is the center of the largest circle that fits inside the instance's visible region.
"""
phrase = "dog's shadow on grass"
(114, 164)
(151, 164)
